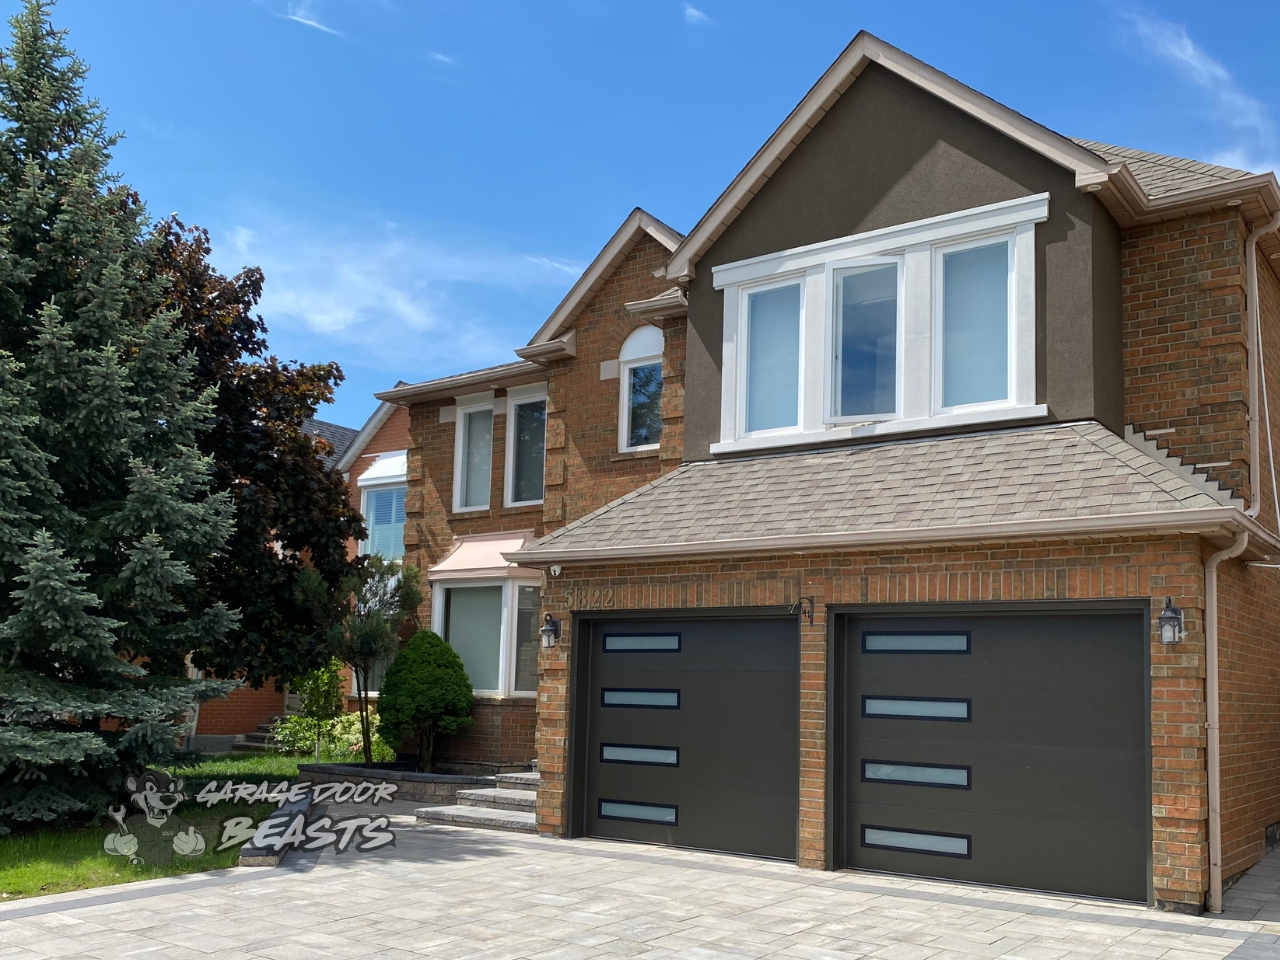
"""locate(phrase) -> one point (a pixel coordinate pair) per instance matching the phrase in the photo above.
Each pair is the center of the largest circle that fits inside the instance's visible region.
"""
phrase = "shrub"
(340, 742)
(426, 691)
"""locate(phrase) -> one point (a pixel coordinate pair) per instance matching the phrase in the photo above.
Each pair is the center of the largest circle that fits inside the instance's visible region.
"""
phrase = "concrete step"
(499, 799)
(512, 821)
(253, 746)
(518, 781)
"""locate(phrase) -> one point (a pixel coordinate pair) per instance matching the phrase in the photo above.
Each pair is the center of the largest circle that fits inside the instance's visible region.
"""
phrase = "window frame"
(745, 293)
(624, 403)
(507, 640)
(364, 549)
(519, 397)
(916, 247)
(465, 406)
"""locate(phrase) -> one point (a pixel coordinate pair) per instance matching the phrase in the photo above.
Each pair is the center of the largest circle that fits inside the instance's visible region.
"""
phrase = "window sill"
(464, 511)
(527, 505)
(648, 453)
(884, 428)
(492, 697)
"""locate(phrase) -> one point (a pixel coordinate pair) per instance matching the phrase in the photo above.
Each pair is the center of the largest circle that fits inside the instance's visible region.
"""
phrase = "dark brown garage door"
(1001, 749)
(693, 734)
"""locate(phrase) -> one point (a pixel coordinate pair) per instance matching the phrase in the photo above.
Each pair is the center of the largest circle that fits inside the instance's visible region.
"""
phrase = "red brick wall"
(393, 435)
(241, 712)
(1122, 568)
(503, 732)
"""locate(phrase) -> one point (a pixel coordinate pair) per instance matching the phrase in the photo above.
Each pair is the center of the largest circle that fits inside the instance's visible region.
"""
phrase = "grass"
(58, 860)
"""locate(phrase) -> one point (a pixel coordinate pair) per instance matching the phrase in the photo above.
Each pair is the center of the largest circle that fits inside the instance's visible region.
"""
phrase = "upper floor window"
(384, 518)
(917, 326)
(640, 406)
(473, 458)
(526, 444)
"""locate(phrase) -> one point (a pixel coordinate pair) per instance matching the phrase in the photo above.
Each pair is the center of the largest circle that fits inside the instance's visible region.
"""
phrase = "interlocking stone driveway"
(455, 893)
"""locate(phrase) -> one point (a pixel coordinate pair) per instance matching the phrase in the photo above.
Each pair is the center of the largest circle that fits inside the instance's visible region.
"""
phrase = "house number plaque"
(589, 598)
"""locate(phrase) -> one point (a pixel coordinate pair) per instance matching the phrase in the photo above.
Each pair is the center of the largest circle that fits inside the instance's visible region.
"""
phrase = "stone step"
(253, 746)
(512, 821)
(499, 799)
(518, 781)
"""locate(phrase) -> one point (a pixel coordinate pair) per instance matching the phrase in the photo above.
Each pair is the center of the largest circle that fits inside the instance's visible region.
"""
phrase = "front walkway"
(455, 893)
(1256, 895)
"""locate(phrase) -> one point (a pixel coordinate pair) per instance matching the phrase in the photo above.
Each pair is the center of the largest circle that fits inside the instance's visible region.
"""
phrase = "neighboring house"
(221, 724)
(495, 458)
(962, 405)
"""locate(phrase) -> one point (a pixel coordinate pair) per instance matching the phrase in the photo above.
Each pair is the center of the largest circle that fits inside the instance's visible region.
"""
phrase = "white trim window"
(493, 626)
(382, 492)
(473, 453)
(912, 327)
(526, 452)
(640, 390)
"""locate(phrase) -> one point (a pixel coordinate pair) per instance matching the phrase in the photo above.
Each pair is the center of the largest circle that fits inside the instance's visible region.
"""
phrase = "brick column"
(813, 729)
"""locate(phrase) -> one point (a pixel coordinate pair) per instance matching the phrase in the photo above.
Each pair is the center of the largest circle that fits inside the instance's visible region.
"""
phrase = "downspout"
(1212, 730)
(1253, 335)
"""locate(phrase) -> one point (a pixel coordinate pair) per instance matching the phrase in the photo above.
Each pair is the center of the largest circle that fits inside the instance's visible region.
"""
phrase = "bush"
(340, 741)
(426, 691)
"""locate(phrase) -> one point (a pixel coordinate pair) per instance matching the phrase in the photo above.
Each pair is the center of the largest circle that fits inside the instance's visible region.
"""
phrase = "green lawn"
(59, 860)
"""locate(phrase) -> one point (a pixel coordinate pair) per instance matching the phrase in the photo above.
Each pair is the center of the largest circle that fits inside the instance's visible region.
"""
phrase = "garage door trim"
(837, 747)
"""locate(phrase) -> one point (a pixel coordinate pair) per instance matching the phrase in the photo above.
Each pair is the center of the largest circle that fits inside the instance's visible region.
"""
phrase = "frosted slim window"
(915, 773)
(473, 627)
(477, 458)
(385, 521)
(529, 421)
(648, 812)
(866, 341)
(644, 404)
(662, 699)
(528, 606)
(915, 709)
(936, 843)
(650, 756)
(648, 643)
(975, 325)
(915, 642)
(773, 359)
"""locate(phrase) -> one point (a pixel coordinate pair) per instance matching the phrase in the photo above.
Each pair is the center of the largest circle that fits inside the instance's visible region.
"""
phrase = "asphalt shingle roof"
(1053, 472)
(1159, 174)
(339, 438)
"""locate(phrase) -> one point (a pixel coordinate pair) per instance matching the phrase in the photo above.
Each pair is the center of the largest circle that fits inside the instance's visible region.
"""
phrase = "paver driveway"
(452, 892)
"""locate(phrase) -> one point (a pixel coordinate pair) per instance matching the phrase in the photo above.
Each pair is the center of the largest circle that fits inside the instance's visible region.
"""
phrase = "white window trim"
(507, 642)
(899, 378)
(914, 245)
(466, 405)
(624, 403)
(516, 397)
(390, 482)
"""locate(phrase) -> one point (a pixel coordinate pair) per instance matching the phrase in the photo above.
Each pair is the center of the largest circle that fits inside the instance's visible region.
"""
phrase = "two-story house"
(963, 571)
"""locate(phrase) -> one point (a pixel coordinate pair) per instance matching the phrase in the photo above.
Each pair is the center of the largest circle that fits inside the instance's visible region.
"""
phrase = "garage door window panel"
(885, 642)
(917, 841)
(917, 708)
(639, 812)
(640, 755)
(643, 699)
(916, 774)
(641, 643)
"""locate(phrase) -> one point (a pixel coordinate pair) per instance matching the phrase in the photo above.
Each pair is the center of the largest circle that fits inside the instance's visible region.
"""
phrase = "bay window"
(911, 327)
(493, 627)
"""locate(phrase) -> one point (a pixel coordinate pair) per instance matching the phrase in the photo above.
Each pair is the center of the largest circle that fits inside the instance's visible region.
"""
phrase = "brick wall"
(503, 733)
(241, 712)
(1122, 568)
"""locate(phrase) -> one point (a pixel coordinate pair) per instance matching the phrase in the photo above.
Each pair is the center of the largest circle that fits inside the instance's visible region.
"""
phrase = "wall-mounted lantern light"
(1171, 629)
(550, 630)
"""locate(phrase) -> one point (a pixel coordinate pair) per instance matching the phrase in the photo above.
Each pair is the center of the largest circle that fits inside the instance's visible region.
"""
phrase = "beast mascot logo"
(156, 834)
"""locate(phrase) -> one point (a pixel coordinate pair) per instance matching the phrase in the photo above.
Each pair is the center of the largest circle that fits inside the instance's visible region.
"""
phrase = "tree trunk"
(319, 727)
(362, 701)
(426, 746)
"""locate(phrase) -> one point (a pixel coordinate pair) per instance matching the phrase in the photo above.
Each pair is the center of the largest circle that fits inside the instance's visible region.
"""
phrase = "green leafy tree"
(107, 516)
(426, 691)
(366, 617)
(321, 694)
(292, 511)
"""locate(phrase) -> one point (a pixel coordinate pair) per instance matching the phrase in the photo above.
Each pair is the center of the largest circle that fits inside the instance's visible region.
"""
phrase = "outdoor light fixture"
(1171, 630)
(550, 630)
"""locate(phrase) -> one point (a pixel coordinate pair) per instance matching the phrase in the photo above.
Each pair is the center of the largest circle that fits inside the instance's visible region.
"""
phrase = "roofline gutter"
(1201, 521)
(1254, 339)
(450, 386)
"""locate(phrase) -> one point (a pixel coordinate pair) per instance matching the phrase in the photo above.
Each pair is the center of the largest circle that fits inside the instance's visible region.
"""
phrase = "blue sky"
(422, 182)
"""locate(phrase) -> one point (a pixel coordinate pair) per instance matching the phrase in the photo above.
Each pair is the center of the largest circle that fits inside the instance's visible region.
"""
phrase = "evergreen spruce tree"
(107, 519)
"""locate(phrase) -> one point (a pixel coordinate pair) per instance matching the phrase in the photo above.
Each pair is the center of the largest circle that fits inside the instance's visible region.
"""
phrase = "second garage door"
(1004, 749)
(693, 734)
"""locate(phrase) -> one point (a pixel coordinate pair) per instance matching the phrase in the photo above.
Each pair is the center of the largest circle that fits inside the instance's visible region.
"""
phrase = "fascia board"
(447, 387)
(367, 433)
(1200, 521)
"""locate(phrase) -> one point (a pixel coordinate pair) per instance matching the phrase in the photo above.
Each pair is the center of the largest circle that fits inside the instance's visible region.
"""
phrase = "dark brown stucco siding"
(888, 153)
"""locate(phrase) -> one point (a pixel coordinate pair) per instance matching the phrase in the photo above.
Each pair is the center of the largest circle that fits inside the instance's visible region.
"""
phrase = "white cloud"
(693, 15)
(1230, 106)
(440, 57)
(301, 13)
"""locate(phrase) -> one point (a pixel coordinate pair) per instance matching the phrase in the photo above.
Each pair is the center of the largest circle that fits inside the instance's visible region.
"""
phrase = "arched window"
(640, 404)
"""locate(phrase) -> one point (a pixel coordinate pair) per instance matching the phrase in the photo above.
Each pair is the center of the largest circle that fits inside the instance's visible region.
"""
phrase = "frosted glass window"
(529, 445)
(528, 606)
(661, 699)
(473, 627)
(773, 359)
(648, 643)
(915, 643)
(916, 773)
(650, 756)
(647, 812)
(644, 404)
(975, 325)
(914, 709)
(912, 841)
(866, 341)
(477, 458)
(385, 520)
